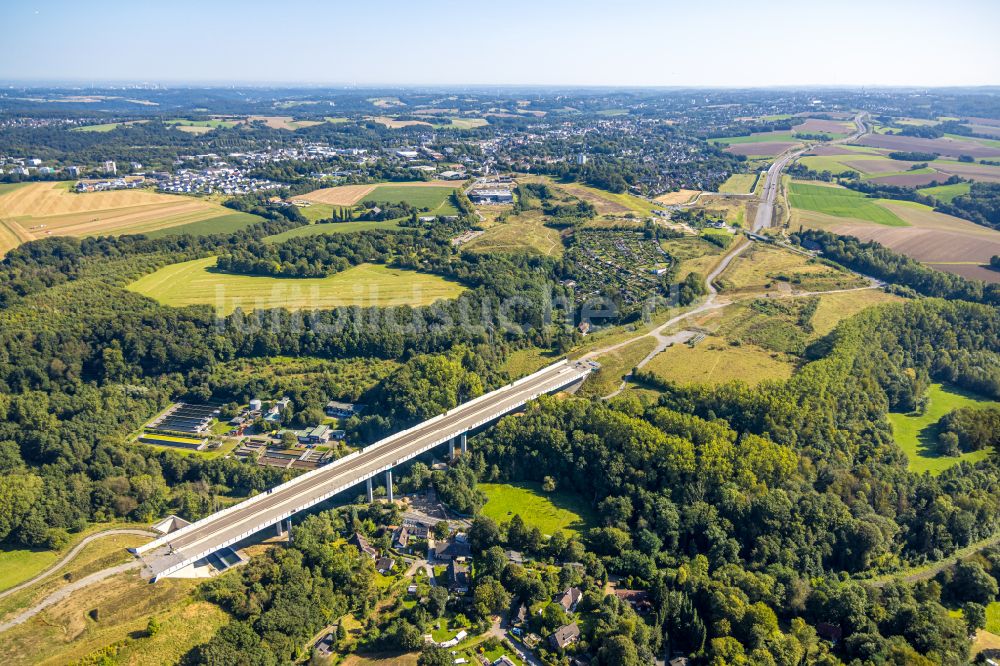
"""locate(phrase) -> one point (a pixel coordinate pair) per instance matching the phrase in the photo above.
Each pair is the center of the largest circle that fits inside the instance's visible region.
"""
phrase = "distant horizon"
(717, 44)
(68, 84)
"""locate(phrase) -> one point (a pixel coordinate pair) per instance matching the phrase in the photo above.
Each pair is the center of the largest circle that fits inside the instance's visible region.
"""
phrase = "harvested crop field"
(871, 164)
(981, 172)
(944, 242)
(284, 122)
(348, 195)
(970, 271)
(829, 150)
(38, 210)
(912, 179)
(678, 197)
(197, 283)
(392, 123)
(943, 146)
(764, 148)
(819, 126)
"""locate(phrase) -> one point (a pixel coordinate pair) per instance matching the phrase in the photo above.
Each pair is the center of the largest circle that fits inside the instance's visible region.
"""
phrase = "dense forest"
(765, 524)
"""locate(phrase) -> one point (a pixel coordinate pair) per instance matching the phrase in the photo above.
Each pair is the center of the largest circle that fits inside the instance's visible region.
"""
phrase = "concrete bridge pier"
(368, 489)
(451, 449)
(465, 443)
(277, 528)
(388, 484)
(289, 530)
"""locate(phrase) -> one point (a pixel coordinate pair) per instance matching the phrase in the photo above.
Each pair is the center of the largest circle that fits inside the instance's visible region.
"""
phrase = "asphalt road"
(308, 489)
(772, 181)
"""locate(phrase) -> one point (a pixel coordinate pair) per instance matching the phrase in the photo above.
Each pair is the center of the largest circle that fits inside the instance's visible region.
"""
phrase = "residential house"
(515, 557)
(448, 549)
(504, 660)
(325, 646)
(564, 636)
(458, 576)
(384, 565)
(639, 600)
(401, 538)
(361, 542)
(520, 616)
(569, 598)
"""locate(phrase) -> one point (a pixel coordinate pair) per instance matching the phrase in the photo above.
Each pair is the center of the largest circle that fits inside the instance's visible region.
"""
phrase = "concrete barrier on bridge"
(387, 441)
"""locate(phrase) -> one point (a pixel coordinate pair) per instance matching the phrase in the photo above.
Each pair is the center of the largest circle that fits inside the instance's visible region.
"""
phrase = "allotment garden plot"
(627, 265)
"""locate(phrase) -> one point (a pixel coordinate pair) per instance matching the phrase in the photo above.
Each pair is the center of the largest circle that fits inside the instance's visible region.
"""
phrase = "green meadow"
(841, 202)
(436, 199)
(946, 193)
(549, 512)
(916, 433)
(197, 282)
(223, 224)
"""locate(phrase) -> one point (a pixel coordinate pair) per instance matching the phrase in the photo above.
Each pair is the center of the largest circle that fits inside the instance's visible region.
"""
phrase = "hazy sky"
(572, 42)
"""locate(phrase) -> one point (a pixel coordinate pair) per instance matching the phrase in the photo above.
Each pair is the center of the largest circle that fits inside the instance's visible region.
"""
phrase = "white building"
(110, 167)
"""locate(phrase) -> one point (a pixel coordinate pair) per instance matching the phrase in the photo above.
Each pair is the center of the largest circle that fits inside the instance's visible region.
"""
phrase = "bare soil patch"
(816, 125)
(826, 150)
(392, 123)
(969, 271)
(912, 179)
(763, 148)
(285, 122)
(876, 165)
(981, 172)
(932, 238)
(989, 130)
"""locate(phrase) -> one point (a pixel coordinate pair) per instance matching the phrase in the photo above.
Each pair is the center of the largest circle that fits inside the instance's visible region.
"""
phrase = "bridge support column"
(289, 530)
(451, 449)
(465, 443)
(388, 484)
(368, 489)
(277, 528)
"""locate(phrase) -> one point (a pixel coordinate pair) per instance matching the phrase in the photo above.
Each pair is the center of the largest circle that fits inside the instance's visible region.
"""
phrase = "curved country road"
(63, 592)
(67, 590)
(74, 551)
(664, 341)
(763, 218)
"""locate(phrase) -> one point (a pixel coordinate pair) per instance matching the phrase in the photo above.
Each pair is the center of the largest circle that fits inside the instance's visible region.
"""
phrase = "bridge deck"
(189, 544)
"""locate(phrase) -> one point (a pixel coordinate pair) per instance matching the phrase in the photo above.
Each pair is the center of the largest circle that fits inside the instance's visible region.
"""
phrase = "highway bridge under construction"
(173, 552)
